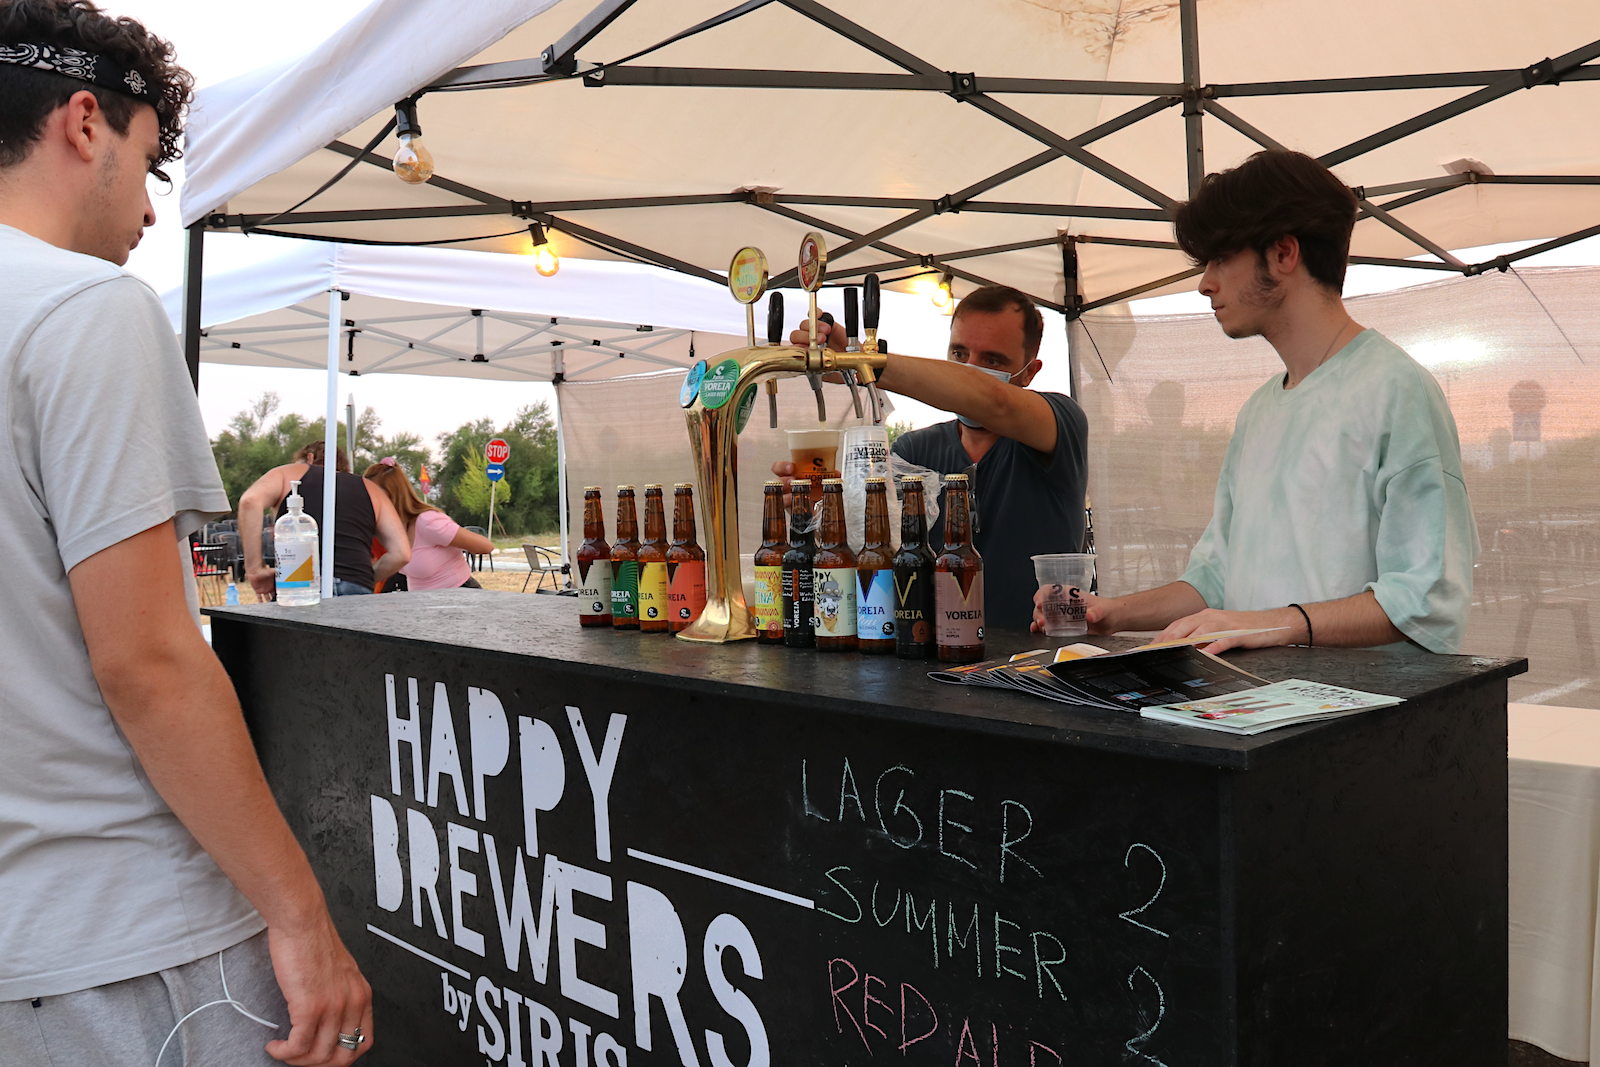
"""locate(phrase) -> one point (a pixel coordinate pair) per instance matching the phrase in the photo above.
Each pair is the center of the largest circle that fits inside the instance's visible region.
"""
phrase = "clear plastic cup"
(1065, 577)
(814, 451)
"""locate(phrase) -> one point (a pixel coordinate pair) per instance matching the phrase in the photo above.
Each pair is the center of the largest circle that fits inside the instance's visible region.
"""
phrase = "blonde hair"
(393, 481)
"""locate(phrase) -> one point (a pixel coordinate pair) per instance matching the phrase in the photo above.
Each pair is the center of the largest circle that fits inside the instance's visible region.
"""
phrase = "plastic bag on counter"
(932, 482)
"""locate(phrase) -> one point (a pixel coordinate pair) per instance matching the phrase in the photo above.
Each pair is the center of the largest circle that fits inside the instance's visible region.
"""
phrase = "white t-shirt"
(100, 439)
(1349, 481)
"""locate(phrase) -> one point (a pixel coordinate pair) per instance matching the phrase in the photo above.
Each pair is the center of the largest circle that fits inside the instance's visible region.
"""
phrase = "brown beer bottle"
(653, 564)
(769, 567)
(625, 564)
(833, 575)
(686, 563)
(913, 576)
(958, 581)
(594, 564)
(799, 600)
(875, 575)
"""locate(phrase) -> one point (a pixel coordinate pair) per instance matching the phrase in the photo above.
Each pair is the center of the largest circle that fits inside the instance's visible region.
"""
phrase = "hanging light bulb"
(413, 163)
(942, 297)
(545, 260)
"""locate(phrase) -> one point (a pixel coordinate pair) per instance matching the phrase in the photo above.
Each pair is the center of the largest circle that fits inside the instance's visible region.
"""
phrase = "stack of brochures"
(1270, 706)
(1171, 681)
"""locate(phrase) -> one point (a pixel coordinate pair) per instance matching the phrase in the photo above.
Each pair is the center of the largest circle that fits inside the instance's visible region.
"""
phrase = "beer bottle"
(625, 565)
(833, 575)
(913, 576)
(769, 567)
(653, 564)
(686, 563)
(958, 581)
(875, 575)
(594, 564)
(798, 602)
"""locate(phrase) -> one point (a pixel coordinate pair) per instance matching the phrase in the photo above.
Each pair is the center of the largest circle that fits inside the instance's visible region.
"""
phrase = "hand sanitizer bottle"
(294, 538)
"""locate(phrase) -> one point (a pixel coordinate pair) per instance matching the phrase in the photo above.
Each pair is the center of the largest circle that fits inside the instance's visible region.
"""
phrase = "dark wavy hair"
(1273, 194)
(29, 95)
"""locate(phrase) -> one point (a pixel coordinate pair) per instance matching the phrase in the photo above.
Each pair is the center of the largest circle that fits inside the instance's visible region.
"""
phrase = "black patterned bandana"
(85, 66)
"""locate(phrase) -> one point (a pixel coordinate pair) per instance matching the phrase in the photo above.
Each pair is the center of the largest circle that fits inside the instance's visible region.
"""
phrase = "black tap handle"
(775, 318)
(869, 302)
(825, 316)
(852, 314)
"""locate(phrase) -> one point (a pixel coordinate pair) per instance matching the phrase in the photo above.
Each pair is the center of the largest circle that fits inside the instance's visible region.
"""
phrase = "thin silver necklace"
(1347, 321)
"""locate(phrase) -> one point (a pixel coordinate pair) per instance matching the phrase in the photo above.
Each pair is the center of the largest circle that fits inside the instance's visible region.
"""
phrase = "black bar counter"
(549, 845)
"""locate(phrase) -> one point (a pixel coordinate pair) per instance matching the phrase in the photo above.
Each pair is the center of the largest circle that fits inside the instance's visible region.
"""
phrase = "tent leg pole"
(330, 455)
(561, 476)
(193, 284)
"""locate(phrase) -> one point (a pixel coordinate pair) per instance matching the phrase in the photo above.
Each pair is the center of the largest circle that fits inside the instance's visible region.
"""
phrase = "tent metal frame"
(1196, 98)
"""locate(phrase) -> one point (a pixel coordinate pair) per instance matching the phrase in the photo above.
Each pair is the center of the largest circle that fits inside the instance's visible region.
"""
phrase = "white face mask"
(1004, 376)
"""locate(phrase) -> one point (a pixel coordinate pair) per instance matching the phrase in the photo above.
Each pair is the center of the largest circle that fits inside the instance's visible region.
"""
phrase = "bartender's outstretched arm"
(990, 340)
(1352, 622)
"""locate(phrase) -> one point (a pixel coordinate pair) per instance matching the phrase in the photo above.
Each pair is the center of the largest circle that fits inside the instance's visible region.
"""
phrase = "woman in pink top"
(437, 543)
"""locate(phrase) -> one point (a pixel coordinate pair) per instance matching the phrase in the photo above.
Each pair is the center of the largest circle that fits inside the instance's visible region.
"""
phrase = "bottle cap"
(682, 485)
(833, 481)
(774, 481)
(955, 478)
(624, 488)
(907, 479)
(591, 489)
(876, 478)
(652, 485)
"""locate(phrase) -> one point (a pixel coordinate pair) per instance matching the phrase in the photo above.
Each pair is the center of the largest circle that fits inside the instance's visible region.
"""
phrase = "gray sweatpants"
(123, 1024)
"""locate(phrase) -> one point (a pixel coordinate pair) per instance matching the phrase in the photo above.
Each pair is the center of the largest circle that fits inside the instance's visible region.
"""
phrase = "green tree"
(527, 501)
(895, 429)
(474, 490)
(255, 442)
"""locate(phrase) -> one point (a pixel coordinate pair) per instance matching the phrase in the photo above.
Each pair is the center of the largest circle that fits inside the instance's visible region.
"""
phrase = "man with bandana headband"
(157, 907)
(1025, 450)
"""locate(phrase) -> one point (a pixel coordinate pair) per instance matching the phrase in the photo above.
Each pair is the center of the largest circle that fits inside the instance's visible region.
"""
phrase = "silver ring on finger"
(351, 1041)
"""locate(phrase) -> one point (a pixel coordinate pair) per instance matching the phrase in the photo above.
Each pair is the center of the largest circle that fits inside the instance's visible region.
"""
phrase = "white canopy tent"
(458, 314)
(1078, 125)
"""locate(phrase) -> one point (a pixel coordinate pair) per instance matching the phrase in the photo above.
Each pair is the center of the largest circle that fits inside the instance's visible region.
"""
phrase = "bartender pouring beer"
(1026, 450)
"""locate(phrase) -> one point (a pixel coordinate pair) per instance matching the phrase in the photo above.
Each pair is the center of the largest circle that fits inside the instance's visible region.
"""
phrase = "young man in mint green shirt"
(1341, 516)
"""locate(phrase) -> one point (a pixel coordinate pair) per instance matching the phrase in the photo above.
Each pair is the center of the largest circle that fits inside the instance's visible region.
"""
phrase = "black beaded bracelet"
(1310, 640)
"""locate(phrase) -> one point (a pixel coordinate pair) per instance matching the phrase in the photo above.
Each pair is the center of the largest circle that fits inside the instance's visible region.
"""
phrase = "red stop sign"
(497, 450)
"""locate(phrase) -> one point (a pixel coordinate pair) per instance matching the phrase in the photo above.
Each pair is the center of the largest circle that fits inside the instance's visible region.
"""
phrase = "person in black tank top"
(359, 517)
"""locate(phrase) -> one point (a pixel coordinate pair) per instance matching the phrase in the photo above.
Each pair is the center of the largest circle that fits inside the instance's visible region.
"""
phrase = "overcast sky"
(218, 39)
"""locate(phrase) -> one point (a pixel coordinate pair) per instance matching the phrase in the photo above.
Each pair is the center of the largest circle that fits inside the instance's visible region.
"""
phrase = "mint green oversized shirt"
(1349, 481)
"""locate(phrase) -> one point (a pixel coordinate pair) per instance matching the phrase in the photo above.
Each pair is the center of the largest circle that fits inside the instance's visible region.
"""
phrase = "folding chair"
(545, 562)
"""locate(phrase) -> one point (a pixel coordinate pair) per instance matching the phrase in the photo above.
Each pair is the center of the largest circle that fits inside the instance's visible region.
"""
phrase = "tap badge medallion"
(813, 261)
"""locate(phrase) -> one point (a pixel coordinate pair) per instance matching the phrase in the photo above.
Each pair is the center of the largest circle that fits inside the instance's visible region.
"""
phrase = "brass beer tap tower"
(720, 393)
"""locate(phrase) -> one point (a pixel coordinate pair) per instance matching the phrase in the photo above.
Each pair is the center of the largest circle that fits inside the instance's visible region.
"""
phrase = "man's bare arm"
(176, 706)
(1152, 609)
(391, 535)
(1355, 621)
(1008, 410)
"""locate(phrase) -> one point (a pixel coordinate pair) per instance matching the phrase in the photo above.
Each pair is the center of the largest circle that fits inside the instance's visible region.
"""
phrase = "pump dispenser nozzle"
(293, 501)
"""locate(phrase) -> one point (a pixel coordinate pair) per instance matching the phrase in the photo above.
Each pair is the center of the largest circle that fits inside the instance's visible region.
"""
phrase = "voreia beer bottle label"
(958, 612)
(594, 587)
(834, 589)
(769, 599)
(912, 609)
(686, 591)
(875, 605)
(625, 591)
(653, 592)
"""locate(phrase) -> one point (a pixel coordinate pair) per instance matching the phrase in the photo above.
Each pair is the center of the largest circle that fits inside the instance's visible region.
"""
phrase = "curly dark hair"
(29, 95)
(1273, 194)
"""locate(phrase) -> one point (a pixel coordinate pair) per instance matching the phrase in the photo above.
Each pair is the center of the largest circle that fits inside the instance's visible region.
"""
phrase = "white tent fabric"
(549, 148)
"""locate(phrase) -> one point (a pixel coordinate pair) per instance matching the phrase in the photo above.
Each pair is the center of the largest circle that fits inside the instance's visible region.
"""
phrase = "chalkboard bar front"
(548, 845)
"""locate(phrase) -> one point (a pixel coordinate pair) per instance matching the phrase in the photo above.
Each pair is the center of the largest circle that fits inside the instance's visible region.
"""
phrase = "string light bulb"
(942, 297)
(545, 260)
(413, 163)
